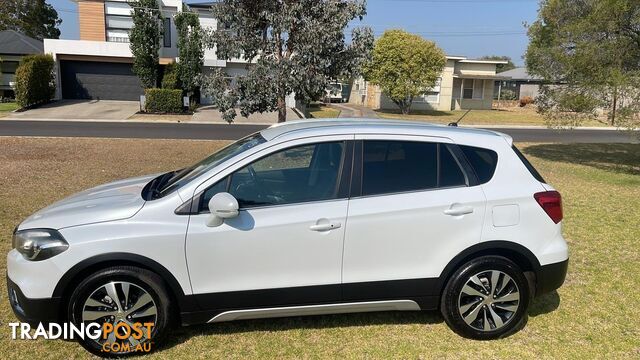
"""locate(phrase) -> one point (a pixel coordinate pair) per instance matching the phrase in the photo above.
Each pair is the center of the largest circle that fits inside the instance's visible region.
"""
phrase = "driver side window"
(294, 175)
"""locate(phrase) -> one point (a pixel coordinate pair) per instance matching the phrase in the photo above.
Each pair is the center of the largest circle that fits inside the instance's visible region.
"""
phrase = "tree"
(191, 51)
(592, 48)
(404, 66)
(292, 46)
(34, 18)
(144, 40)
(501, 67)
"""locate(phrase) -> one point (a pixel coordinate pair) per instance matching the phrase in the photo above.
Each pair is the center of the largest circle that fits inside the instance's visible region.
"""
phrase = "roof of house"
(359, 126)
(519, 73)
(15, 43)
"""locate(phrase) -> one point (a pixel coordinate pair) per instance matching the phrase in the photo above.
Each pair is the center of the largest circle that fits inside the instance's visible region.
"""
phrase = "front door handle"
(458, 210)
(325, 225)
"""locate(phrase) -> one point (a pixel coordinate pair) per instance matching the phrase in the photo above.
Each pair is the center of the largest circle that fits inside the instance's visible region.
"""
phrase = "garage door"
(98, 80)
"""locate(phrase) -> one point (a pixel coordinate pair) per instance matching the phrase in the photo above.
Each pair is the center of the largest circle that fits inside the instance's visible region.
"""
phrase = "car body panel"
(112, 201)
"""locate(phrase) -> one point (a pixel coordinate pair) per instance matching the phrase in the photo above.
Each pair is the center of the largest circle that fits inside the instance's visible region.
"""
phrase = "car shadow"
(542, 305)
(182, 334)
(621, 158)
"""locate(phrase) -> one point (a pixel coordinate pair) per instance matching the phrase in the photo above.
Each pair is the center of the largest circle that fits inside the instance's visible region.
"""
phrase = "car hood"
(113, 201)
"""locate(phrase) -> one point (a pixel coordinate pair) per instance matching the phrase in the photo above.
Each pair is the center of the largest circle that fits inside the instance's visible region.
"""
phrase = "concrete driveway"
(81, 110)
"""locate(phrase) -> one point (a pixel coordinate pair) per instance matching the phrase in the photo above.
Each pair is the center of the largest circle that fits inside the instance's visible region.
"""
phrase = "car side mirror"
(222, 206)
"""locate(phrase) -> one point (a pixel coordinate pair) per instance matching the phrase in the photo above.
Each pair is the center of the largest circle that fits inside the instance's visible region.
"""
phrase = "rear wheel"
(487, 298)
(122, 298)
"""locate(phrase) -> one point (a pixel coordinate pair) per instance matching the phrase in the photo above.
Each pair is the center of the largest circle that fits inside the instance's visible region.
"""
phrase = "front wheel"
(487, 298)
(130, 304)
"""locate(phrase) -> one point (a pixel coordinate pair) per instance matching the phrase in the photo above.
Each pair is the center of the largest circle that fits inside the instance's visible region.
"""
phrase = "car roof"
(304, 128)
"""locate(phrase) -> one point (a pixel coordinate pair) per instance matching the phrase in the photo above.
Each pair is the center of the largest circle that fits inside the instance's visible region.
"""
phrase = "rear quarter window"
(483, 161)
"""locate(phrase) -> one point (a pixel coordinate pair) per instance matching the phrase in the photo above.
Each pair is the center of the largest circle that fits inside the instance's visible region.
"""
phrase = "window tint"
(167, 32)
(294, 175)
(528, 165)
(450, 172)
(483, 161)
(397, 166)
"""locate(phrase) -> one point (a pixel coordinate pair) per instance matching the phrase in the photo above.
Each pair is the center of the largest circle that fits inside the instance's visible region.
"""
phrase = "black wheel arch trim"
(184, 302)
(493, 247)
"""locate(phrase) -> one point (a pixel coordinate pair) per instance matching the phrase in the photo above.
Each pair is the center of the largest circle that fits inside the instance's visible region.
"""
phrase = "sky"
(471, 28)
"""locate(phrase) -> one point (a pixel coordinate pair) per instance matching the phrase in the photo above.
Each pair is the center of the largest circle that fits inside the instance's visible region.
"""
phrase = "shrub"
(508, 94)
(526, 101)
(170, 77)
(35, 80)
(163, 100)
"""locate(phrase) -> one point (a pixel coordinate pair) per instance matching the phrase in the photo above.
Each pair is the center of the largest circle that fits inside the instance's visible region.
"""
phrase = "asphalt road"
(233, 132)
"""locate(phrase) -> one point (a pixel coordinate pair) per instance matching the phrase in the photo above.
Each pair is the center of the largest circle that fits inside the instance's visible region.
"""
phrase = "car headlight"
(39, 244)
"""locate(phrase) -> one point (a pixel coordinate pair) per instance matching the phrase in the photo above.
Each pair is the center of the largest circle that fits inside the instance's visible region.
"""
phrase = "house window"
(118, 21)
(467, 89)
(8, 67)
(167, 32)
(473, 89)
(433, 95)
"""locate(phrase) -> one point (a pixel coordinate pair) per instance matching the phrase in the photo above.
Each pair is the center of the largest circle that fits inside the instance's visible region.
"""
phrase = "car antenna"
(455, 123)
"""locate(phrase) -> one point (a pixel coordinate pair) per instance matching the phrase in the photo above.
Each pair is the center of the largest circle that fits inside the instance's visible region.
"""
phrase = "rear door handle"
(325, 226)
(458, 210)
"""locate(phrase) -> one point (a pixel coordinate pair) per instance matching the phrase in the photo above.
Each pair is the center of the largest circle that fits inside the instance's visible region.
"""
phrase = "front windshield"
(185, 175)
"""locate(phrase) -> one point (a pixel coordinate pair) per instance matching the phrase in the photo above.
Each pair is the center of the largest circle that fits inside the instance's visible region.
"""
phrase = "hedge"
(35, 80)
(170, 77)
(163, 101)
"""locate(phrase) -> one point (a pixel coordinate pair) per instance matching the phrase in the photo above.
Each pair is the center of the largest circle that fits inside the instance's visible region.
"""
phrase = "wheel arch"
(515, 252)
(96, 263)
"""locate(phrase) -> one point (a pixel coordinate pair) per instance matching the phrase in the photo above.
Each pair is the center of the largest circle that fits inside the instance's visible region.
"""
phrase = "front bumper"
(33, 311)
(550, 277)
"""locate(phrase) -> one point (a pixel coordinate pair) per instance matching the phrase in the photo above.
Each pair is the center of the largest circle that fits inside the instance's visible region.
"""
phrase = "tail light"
(551, 203)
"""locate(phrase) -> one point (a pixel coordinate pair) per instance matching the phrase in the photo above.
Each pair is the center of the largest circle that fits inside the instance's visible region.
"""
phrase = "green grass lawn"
(321, 111)
(511, 116)
(6, 108)
(594, 315)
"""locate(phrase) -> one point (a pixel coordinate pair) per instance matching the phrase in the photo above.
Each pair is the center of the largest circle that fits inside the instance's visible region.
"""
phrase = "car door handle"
(458, 210)
(325, 226)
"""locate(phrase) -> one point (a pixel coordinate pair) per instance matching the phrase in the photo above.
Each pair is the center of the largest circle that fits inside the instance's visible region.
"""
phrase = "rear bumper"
(32, 311)
(550, 277)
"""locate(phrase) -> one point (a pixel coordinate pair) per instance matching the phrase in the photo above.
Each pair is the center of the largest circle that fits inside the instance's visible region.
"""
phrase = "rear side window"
(483, 161)
(401, 166)
(528, 165)
(398, 166)
(450, 172)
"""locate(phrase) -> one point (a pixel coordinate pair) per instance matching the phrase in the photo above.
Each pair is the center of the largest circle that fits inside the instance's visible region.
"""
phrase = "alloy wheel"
(120, 302)
(489, 300)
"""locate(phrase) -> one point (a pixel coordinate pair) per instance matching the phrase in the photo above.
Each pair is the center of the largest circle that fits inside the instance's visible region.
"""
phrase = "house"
(99, 65)
(13, 46)
(464, 84)
(520, 82)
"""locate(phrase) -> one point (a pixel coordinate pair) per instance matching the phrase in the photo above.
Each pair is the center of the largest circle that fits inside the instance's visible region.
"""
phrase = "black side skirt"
(425, 292)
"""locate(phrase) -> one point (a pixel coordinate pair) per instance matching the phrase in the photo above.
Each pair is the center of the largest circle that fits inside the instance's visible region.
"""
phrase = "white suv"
(303, 218)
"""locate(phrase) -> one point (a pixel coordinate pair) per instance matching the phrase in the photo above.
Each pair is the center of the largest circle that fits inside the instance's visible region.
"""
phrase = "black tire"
(486, 321)
(148, 281)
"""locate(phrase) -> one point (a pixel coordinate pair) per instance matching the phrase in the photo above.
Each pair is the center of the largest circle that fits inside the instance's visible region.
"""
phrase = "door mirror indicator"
(222, 206)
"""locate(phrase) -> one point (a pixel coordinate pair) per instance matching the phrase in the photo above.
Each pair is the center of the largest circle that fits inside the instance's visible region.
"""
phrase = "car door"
(413, 207)
(285, 247)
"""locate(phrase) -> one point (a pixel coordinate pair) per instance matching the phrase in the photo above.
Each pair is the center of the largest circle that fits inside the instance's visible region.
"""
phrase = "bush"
(526, 101)
(35, 80)
(170, 77)
(508, 94)
(163, 100)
